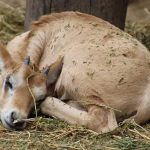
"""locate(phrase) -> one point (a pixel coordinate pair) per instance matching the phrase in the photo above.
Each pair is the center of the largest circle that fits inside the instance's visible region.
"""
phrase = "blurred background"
(13, 20)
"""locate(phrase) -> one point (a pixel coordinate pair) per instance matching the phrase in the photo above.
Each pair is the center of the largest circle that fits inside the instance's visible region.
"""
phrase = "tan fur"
(105, 70)
(17, 79)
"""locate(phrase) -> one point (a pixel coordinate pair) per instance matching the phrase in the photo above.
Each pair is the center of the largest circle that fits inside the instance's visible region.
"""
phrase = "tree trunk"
(113, 11)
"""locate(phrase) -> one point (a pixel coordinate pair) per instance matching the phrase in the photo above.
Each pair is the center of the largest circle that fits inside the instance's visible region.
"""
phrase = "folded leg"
(55, 107)
(95, 118)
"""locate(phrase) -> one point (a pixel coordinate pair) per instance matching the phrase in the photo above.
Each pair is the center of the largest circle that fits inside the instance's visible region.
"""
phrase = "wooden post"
(34, 9)
(113, 11)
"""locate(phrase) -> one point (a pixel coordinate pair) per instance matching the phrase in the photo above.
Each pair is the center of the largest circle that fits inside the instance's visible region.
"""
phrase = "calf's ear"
(53, 71)
(6, 62)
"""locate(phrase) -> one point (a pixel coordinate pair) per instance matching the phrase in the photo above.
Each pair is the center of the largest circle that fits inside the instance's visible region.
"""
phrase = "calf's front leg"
(55, 107)
(96, 118)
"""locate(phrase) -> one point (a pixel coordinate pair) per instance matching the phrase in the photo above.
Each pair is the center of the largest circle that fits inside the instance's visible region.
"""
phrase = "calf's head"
(16, 83)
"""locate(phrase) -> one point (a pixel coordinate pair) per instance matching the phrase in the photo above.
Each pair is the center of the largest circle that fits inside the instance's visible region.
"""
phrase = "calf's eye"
(8, 83)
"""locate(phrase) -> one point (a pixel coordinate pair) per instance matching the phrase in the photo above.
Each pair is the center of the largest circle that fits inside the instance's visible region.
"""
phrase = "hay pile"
(52, 134)
(48, 133)
(11, 22)
(139, 31)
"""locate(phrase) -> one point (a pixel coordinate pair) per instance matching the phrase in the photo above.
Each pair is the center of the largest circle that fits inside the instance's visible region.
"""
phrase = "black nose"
(13, 116)
(19, 125)
(14, 122)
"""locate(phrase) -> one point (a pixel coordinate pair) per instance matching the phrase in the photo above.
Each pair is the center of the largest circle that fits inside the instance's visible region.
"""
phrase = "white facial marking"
(1, 63)
(39, 92)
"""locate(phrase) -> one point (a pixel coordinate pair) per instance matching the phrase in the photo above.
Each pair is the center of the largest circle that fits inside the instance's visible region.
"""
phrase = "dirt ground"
(53, 134)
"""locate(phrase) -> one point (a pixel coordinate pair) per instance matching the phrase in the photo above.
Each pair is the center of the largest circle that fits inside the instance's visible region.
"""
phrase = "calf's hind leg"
(143, 112)
(98, 119)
